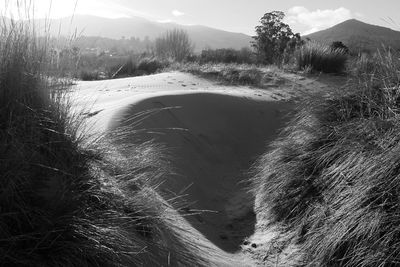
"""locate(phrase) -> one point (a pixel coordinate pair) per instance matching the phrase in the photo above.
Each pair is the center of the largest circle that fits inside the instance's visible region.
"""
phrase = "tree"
(174, 44)
(272, 37)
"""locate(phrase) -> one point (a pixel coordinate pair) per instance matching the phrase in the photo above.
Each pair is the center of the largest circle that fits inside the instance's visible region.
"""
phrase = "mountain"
(202, 37)
(359, 36)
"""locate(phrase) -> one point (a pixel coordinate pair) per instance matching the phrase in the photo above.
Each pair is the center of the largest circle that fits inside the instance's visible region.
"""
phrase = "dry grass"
(321, 57)
(65, 201)
(232, 74)
(332, 179)
(136, 66)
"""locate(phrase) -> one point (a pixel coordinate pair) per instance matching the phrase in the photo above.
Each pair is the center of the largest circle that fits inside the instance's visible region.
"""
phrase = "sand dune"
(213, 139)
(211, 133)
(102, 99)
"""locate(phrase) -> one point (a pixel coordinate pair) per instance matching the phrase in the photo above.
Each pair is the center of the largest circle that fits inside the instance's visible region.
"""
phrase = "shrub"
(150, 65)
(228, 73)
(86, 75)
(321, 58)
(136, 66)
(174, 44)
(251, 76)
(332, 180)
(223, 55)
(126, 68)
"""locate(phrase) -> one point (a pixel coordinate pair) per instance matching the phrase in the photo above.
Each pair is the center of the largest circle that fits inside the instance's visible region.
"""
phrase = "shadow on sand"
(213, 140)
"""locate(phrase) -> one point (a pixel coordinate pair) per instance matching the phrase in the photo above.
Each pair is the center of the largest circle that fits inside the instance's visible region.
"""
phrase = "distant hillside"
(358, 35)
(202, 37)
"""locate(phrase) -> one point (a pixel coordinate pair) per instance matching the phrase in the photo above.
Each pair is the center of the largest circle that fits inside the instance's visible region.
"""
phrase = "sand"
(213, 139)
(212, 135)
(102, 99)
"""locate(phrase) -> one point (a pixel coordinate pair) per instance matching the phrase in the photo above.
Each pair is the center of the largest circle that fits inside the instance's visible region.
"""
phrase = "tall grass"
(332, 180)
(321, 57)
(136, 66)
(65, 201)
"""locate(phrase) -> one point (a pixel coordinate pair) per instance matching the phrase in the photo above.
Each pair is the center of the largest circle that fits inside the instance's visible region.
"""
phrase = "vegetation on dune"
(127, 66)
(243, 56)
(233, 74)
(339, 45)
(332, 179)
(136, 66)
(321, 57)
(330, 183)
(66, 200)
(175, 45)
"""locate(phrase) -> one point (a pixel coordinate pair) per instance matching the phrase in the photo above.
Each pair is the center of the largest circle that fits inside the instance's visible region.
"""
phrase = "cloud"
(317, 20)
(177, 13)
(165, 20)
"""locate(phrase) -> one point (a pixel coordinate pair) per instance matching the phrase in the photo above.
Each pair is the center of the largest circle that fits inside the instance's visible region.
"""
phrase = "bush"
(228, 73)
(251, 76)
(223, 55)
(174, 44)
(125, 68)
(241, 75)
(136, 66)
(332, 180)
(86, 75)
(321, 57)
(150, 65)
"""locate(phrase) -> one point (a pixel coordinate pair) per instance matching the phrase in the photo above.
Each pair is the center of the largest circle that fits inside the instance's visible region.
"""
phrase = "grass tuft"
(321, 57)
(65, 199)
(136, 66)
(332, 180)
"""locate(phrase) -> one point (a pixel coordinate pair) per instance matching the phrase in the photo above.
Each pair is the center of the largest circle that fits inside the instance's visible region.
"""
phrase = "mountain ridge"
(358, 35)
(87, 25)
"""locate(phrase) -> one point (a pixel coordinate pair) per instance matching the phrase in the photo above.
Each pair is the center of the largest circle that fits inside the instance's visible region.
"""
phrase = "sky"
(303, 16)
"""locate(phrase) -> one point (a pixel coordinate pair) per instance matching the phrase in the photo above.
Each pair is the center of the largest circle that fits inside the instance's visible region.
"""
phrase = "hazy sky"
(303, 16)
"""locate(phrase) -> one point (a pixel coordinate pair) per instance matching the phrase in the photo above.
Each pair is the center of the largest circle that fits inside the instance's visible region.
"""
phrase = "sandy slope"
(212, 133)
(103, 98)
(213, 139)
